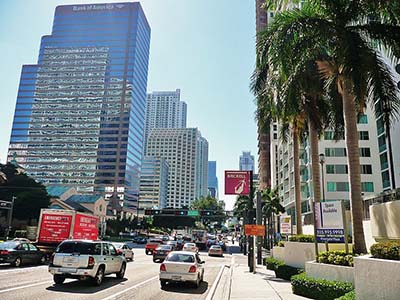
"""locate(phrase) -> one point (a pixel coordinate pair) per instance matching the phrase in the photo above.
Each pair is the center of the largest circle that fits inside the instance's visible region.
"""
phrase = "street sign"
(329, 222)
(258, 230)
(5, 204)
(237, 182)
(193, 213)
(286, 224)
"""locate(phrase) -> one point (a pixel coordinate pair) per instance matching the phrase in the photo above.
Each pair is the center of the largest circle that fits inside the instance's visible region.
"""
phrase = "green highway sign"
(193, 213)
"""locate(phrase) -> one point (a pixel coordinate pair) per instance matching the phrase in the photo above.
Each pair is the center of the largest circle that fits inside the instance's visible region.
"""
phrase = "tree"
(30, 196)
(209, 203)
(344, 38)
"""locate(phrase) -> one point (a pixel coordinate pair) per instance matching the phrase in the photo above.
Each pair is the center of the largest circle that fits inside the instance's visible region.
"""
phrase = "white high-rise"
(186, 152)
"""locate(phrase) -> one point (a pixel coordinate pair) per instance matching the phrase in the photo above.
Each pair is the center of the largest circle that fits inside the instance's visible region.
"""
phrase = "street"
(140, 282)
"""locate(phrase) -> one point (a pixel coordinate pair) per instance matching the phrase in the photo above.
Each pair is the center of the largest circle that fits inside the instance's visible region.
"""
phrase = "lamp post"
(322, 162)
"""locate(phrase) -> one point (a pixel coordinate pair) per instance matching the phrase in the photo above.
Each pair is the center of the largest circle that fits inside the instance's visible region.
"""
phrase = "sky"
(206, 48)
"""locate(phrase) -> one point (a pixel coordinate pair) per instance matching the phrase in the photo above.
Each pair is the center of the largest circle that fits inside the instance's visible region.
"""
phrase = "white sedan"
(125, 250)
(182, 266)
(190, 247)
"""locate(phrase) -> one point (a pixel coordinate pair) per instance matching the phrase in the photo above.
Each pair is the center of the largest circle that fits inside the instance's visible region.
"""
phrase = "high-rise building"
(165, 110)
(186, 152)
(246, 161)
(153, 183)
(79, 117)
(212, 181)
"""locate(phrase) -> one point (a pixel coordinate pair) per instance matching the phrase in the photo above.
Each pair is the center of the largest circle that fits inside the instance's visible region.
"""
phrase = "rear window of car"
(8, 245)
(175, 257)
(152, 241)
(79, 247)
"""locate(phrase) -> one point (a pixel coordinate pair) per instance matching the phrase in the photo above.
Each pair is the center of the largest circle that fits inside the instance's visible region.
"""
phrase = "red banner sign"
(237, 182)
(54, 228)
(85, 227)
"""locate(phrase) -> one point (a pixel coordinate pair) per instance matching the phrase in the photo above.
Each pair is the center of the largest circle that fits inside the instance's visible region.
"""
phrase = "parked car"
(190, 247)
(84, 259)
(173, 244)
(18, 253)
(139, 240)
(182, 266)
(161, 252)
(215, 250)
(125, 250)
(151, 245)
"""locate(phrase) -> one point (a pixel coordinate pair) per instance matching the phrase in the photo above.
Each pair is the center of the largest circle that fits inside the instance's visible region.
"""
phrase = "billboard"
(329, 221)
(85, 227)
(54, 228)
(257, 230)
(237, 182)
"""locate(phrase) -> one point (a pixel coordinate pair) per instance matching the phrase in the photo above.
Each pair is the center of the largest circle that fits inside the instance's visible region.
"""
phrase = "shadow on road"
(86, 286)
(186, 288)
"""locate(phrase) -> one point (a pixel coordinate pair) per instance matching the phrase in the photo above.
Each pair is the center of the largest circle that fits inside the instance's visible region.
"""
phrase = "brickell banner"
(329, 221)
(237, 182)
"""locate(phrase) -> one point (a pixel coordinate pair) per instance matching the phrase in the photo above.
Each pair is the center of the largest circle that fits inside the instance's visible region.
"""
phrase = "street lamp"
(322, 162)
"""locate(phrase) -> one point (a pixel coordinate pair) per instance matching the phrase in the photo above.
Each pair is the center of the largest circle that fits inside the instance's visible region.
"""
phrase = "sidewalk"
(261, 285)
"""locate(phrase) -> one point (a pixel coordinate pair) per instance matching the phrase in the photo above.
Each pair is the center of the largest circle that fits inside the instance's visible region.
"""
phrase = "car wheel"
(58, 279)
(154, 260)
(197, 282)
(17, 262)
(163, 283)
(98, 279)
(121, 273)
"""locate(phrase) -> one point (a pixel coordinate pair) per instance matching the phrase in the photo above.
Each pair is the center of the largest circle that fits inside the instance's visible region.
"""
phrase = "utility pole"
(259, 222)
(10, 212)
(251, 221)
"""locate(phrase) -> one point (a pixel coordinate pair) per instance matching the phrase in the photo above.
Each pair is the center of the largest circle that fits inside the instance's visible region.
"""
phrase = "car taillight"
(163, 268)
(4, 252)
(192, 269)
(91, 261)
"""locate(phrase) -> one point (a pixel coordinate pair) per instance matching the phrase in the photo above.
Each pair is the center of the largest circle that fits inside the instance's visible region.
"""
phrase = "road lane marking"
(130, 288)
(20, 270)
(215, 284)
(25, 286)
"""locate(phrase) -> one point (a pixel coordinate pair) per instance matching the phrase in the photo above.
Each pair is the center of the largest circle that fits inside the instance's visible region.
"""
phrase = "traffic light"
(152, 212)
(206, 213)
(181, 213)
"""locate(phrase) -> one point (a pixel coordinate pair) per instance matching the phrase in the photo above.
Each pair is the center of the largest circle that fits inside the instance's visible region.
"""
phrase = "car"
(179, 245)
(211, 242)
(222, 245)
(151, 245)
(86, 259)
(215, 250)
(182, 266)
(165, 238)
(125, 249)
(161, 252)
(190, 247)
(139, 240)
(173, 244)
(18, 253)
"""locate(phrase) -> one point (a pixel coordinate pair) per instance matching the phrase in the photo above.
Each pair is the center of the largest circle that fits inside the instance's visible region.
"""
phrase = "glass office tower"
(79, 117)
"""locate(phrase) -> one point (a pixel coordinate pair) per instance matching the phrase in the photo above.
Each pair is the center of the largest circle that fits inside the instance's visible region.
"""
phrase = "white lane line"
(131, 288)
(215, 284)
(25, 286)
(21, 270)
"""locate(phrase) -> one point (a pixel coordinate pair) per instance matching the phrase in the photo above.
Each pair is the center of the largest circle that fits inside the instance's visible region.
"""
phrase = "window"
(382, 143)
(336, 169)
(365, 152)
(363, 135)
(336, 152)
(338, 186)
(328, 135)
(366, 169)
(380, 126)
(32, 247)
(384, 161)
(386, 179)
(367, 186)
(362, 119)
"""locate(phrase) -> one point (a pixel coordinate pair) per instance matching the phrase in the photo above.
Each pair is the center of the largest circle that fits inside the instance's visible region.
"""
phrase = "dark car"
(161, 252)
(18, 253)
(139, 240)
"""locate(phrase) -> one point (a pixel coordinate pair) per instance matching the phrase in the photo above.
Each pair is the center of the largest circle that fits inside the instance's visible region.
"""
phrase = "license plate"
(70, 259)
(67, 270)
(176, 277)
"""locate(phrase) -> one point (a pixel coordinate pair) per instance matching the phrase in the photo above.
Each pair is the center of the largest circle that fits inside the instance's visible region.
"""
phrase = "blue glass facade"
(212, 180)
(79, 117)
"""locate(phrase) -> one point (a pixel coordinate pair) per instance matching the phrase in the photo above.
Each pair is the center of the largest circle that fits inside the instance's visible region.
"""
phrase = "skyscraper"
(212, 180)
(79, 117)
(186, 152)
(246, 161)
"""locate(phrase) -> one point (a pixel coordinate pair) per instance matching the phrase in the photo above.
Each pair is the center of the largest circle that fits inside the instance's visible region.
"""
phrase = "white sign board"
(286, 224)
(329, 221)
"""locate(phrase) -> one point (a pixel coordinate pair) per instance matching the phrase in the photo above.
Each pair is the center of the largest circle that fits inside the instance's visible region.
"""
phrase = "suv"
(83, 259)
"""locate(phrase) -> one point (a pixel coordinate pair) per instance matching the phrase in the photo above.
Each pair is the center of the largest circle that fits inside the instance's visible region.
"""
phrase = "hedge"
(286, 272)
(349, 296)
(319, 289)
(339, 258)
(386, 250)
(273, 263)
(302, 238)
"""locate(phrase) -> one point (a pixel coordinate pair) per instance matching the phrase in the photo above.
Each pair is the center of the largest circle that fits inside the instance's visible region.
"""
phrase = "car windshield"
(118, 245)
(177, 257)
(8, 245)
(79, 247)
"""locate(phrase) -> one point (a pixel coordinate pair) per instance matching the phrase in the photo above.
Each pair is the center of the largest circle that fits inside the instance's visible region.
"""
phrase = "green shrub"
(336, 258)
(272, 263)
(319, 289)
(349, 296)
(302, 238)
(281, 244)
(286, 272)
(386, 250)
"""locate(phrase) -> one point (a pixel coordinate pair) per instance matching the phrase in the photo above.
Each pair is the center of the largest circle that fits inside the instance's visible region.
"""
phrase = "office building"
(212, 181)
(79, 117)
(153, 183)
(246, 161)
(186, 153)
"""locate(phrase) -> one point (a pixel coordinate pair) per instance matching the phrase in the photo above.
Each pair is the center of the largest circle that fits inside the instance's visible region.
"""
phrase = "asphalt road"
(140, 282)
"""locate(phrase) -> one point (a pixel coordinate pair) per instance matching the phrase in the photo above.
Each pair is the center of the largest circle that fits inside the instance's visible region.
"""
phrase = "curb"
(215, 284)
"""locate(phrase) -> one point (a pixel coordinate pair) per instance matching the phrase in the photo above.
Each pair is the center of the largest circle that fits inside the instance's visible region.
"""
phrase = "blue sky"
(203, 47)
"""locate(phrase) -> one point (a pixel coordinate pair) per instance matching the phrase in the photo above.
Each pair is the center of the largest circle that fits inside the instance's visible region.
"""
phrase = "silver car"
(82, 259)
(182, 266)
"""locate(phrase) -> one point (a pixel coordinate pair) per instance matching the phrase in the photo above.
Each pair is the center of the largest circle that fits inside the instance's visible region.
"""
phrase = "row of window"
(330, 135)
(343, 169)
(342, 152)
(345, 187)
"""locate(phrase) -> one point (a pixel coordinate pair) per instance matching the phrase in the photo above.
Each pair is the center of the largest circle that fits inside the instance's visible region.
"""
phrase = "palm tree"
(345, 39)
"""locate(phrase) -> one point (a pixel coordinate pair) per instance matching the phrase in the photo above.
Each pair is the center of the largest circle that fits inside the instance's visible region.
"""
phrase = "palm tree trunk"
(353, 159)
(315, 161)
(297, 183)
(266, 232)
